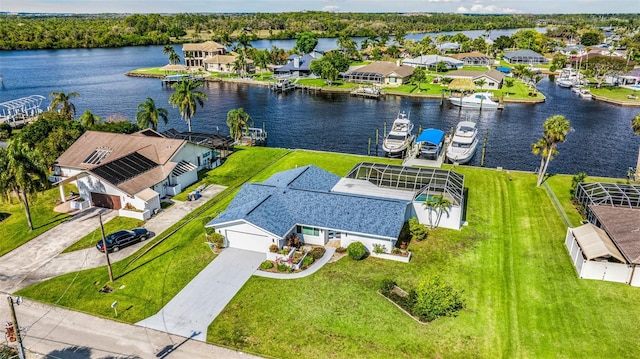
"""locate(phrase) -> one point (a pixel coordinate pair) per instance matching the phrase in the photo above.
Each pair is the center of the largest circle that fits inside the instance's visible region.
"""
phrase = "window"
(310, 231)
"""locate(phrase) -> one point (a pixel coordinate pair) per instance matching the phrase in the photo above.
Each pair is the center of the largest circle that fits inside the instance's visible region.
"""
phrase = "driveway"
(191, 311)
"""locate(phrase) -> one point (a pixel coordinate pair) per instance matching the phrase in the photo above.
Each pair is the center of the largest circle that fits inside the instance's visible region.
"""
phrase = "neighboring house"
(525, 57)
(119, 171)
(225, 63)
(474, 59)
(430, 62)
(493, 78)
(608, 247)
(297, 65)
(572, 50)
(381, 73)
(448, 47)
(370, 205)
(194, 54)
(630, 78)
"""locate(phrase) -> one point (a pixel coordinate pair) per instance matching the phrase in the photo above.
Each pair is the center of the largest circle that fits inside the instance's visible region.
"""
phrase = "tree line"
(24, 31)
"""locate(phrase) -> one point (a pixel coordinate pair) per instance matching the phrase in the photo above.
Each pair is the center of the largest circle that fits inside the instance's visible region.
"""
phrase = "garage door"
(105, 200)
(248, 241)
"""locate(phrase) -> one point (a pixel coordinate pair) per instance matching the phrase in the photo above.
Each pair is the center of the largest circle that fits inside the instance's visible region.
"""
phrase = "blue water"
(601, 142)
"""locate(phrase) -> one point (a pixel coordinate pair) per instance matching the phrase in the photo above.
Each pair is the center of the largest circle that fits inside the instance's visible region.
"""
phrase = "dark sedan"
(121, 239)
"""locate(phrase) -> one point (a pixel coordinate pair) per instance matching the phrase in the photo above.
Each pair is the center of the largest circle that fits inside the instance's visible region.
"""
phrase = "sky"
(232, 6)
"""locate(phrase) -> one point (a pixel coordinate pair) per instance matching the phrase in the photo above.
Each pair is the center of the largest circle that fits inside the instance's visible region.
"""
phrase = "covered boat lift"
(20, 111)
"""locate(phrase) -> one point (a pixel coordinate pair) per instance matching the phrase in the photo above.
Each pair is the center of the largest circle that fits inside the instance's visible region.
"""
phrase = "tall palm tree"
(148, 114)
(88, 119)
(438, 204)
(24, 173)
(635, 126)
(61, 102)
(174, 58)
(239, 122)
(555, 130)
(186, 98)
(170, 51)
(244, 41)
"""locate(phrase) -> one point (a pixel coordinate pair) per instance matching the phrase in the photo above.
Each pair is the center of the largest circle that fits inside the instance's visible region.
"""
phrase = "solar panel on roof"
(125, 168)
(97, 156)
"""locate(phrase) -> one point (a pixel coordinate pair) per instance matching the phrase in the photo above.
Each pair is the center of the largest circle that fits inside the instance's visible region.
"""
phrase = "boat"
(464, 142)
(585, 93)
(476, 100)
(565, 82)
(398, 139)
(430, 143)
(576, 89)
(568, 78)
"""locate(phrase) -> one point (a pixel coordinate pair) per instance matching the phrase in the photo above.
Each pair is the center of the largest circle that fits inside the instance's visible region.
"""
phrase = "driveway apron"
(191, 311)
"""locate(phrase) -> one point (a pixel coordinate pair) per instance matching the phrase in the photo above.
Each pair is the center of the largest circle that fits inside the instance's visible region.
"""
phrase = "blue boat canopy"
(431, 135)
(504, 69)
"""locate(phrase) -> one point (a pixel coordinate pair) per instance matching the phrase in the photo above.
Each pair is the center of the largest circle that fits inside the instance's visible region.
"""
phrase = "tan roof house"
(121, 171)
(225, 63)
(493, 78)
(474, 58)
(195, 53)
(382, 73)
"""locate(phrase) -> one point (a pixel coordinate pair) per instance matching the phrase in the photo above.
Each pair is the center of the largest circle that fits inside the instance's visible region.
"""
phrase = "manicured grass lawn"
(111, 226)
(150, 71)
(323, 83)
(14, 230)
(523, 298)
(616, 93)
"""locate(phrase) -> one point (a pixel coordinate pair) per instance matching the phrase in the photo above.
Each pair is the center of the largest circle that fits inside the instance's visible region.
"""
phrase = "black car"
(121, 239)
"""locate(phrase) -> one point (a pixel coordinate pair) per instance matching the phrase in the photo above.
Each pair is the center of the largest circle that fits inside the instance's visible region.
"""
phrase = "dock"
(282, 85)
(21, 111)
(255, 137)
(412, 157)
(169, 80)
(367, 92)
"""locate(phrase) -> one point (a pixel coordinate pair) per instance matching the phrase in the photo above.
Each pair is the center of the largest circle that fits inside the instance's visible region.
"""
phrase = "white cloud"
(487, 9)
(331, 8)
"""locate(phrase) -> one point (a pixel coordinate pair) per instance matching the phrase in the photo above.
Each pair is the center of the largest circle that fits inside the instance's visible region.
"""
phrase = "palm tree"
(24, 173)
(635, 126)
(555, 130)
(238, 121)
(88, 119)
(439, 204)
(186, 98)
(170, 51)
(61, 102)
(244, 41)
(148, 114)
(174, 58)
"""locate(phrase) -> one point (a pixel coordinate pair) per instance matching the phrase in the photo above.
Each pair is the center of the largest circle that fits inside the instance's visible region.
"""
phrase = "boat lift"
(20, 111)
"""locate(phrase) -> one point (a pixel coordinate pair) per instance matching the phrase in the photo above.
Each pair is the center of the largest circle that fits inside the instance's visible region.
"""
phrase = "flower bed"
(404, 257)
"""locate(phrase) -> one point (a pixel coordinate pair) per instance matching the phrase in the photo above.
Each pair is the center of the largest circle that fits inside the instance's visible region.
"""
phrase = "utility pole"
(106, 251)
(16, 328)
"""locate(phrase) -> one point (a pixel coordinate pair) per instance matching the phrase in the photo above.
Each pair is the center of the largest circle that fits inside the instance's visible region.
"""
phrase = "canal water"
(601, 141)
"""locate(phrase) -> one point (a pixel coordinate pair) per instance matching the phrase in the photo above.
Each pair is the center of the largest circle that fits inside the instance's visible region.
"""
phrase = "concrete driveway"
(191, 311)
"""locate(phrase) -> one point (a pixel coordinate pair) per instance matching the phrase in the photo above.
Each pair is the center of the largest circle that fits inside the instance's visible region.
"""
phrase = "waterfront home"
(525, 57)
(194, 54)
(431, 61)
(608, 246)
(380, 73)
(122, 171)
(297, 65)
(448, 47)
(572, 50)
(474, 58)
(225, 63)
(369, 205)
(493, 78)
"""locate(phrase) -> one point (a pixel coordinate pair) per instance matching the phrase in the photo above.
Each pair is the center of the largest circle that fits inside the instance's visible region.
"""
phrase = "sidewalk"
(40, 258)
(51, 332)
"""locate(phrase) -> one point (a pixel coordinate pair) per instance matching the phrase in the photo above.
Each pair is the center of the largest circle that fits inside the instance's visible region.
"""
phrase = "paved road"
(51, 332)
(191, 311)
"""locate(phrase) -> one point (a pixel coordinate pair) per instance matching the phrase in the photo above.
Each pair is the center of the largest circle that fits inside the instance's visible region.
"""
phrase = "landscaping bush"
(379, 248)
(5, 131)
(283, 267)
(387, 285)
(266, 265)
(307, 261)
(356, 251)
(341, 250)
(273, 248)
(433, 299)
(218, 239)
(317, 252)
(418, 231)
(575, 180)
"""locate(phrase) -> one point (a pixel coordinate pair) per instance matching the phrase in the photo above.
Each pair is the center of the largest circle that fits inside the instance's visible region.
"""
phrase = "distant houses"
(380, 73)
(474, 59)
(211, 56)
(526, 57)
(431, 62)
(298, 65)
(493, 78)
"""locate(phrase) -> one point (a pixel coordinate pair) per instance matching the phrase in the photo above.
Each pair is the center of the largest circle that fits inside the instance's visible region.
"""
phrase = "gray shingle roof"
(301, 197)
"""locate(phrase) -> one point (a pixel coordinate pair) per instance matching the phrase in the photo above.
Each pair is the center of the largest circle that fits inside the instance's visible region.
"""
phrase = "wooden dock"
(367, 92)
(282, 86)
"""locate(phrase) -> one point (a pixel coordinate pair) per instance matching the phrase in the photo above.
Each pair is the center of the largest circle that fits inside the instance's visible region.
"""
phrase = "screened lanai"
(365, 77)
(422, 182)
(607, 194)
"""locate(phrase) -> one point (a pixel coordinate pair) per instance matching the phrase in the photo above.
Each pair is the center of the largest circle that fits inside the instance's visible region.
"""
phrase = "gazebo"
(174, 68)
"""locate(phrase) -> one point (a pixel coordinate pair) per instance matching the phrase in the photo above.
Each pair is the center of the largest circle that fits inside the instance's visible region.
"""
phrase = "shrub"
(418, 231)
(266, 265)
(5, 131)
(317, 252)
(218, 239)
(283, 267)
(433, 299)
(379, 248)
(341, 249)
(575, 180)
(307, 261)
(273, 248)
(356, 251)
(396, 250)
(387, 285)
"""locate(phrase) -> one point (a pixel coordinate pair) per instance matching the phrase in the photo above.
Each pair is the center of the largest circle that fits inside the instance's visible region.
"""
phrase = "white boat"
(476, 100)
(464, 142)
(567, 78)
(400, 136)
(565, 82)
(430, 143)
(576, 89)
(585, 93)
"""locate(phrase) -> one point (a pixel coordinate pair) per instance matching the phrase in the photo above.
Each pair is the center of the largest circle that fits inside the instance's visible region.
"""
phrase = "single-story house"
(225, 63)
(474, 58)
(380, 72)
(121, 171)
(525, 57)
(194, 54)
(430, 61)
(608, 247)
(493, 78)
(448, 46)
(369, 205)
(572, 50)
(297, 65)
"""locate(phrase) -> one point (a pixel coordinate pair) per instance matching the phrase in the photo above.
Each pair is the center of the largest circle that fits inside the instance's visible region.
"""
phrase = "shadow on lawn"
(145, 263)
(78, 352)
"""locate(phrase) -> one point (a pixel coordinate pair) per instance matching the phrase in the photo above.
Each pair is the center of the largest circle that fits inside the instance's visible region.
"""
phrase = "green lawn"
(14, 230)
(111, 226)
(616, 93)
(523, 298)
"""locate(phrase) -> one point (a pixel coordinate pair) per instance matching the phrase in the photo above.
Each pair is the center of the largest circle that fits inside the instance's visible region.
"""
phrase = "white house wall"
(246, 236)
(87, 184)
(368, 241)
(318, 240)
(635, 276)
(191, 152)
(451, 219)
